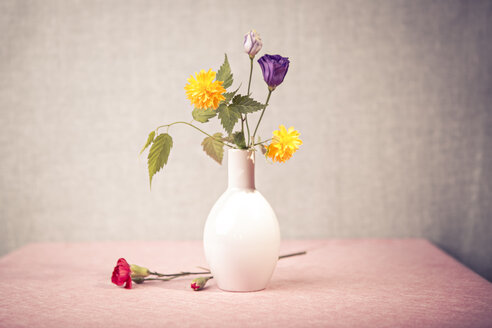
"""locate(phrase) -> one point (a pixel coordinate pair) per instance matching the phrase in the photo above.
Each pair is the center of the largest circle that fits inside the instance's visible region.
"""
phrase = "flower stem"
(261, 142)
(263, 112)
(292, 254)
(172, 276)
(249, 87)
(181, 274)
(177, 274)
(250, 74)
(161, 279)
(242, 123)
(193, 126)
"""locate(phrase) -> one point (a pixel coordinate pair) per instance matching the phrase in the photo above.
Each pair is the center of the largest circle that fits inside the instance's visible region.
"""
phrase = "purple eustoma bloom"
(274, 68)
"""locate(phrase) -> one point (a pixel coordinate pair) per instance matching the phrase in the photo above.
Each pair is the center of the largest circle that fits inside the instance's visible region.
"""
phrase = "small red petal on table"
(128, 283)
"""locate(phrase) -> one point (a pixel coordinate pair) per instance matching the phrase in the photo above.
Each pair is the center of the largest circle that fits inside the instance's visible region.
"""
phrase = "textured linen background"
(393, 100)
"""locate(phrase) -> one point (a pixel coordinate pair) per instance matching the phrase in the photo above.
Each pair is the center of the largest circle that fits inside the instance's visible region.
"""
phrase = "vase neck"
(241, 168)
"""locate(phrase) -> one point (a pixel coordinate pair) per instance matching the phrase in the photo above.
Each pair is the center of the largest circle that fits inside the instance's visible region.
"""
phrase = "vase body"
(241, 237)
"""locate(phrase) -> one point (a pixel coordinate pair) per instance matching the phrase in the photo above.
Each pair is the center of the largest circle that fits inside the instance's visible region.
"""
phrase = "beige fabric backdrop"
(393, 100)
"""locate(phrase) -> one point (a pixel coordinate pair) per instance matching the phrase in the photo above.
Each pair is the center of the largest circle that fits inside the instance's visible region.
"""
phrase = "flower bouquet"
(208, 93)
(241, 235)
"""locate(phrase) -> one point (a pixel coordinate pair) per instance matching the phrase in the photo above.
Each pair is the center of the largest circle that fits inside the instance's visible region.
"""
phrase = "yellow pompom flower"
(203, 91)
(284, 144)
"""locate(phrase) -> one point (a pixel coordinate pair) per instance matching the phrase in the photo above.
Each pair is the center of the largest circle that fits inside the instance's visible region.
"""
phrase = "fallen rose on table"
(124, 274)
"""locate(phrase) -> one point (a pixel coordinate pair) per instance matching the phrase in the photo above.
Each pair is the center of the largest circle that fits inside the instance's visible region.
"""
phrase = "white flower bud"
(252, 43)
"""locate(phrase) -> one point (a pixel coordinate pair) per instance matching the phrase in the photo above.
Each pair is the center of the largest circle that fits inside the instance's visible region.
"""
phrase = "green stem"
(181, 122)
(262, 142)
(177, 274)
(249, 87)
(161, 279)
(242, 124)
(186, 273)
(250, 74)
(293, 254)
(171, 276)
(263, 112)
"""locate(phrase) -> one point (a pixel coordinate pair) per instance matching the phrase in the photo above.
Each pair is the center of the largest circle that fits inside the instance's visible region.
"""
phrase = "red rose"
(122, 274)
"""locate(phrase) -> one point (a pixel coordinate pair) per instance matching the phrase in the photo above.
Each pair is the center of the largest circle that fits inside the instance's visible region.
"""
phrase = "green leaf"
(203, 115)
(224, 74)
(228, 117)
(239, 140)
(229, 139)
(214, 147)
(229, 95)
(245, 104)
(149, 141)
(159, 154)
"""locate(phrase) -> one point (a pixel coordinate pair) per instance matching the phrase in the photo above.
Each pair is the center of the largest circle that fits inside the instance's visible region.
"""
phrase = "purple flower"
(274, 68)
(252, 43)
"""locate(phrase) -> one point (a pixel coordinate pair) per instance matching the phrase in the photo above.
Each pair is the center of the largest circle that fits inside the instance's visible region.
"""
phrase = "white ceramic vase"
(241, 237)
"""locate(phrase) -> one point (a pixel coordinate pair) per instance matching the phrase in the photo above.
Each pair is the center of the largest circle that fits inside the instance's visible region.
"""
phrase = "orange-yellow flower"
(203, 91)
(284, 144)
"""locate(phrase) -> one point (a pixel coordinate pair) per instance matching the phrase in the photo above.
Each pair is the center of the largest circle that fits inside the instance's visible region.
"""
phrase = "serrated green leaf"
(213, 147)
(229, 139)
(245, 104)
(224, 74)
(228, 117)
(149, 141)
(239, 140)
(159, 154)
(229, 95)
(203, 115)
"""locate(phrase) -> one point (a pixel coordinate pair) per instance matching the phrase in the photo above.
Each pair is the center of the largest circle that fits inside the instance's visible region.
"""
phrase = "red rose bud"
(122, 274)
(199, 283)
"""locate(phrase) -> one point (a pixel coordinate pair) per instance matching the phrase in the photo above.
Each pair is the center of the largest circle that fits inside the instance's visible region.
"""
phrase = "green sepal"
(138, 271)
(203, 115)
(214, 147)
(262, 146)
(159, 154)
(224, 74)
(149, 141)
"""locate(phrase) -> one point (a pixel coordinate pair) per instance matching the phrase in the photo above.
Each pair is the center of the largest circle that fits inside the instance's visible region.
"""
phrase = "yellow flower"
(203, 91)
(284, 144)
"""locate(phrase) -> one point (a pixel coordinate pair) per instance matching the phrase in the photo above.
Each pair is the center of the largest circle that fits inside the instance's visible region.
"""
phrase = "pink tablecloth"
(339, 283)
